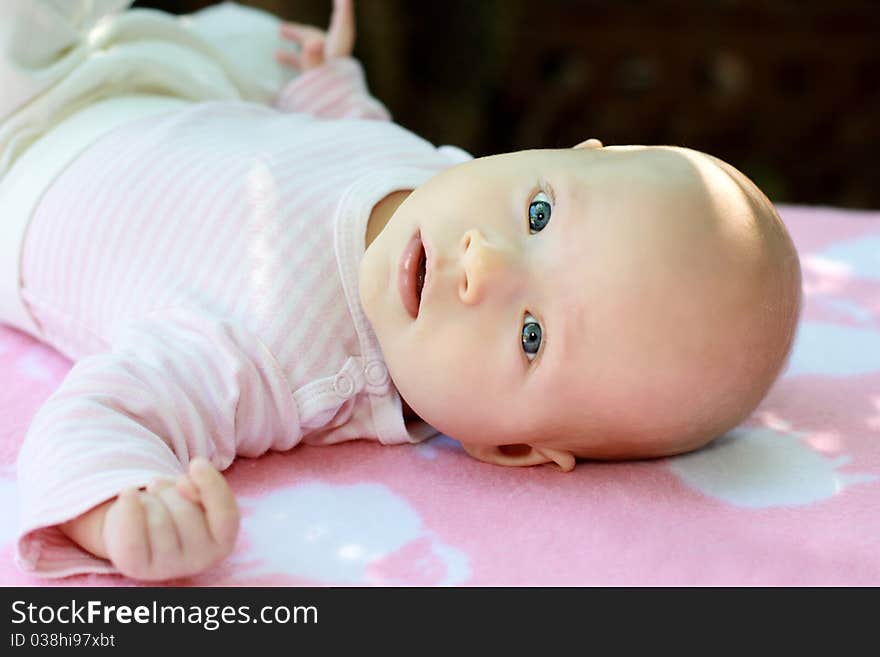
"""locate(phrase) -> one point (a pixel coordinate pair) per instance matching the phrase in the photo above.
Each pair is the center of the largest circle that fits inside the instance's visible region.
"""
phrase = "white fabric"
(24, 184)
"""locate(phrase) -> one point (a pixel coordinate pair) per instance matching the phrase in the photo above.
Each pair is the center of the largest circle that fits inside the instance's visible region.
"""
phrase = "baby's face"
(566, 292)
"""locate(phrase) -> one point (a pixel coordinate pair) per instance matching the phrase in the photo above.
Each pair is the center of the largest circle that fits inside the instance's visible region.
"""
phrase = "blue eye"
(539, 212)
(531, 336)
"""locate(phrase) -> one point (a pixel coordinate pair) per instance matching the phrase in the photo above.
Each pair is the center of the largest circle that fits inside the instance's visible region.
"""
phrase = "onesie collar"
(349, 240)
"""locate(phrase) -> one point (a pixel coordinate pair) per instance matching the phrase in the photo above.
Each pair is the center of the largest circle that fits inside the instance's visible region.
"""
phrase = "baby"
(238, 270)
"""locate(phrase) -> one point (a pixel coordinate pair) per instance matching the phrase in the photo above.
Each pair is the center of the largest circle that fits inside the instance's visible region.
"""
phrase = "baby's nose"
(487, 268)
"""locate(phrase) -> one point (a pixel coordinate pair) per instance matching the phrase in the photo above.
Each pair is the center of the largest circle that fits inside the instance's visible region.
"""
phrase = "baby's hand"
(173, 529)
(317, 46)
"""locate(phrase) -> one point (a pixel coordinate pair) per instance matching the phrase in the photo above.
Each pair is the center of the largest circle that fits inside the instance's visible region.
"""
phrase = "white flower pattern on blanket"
(834, 350)
(344, 534)
(759, 468)
(861, 256)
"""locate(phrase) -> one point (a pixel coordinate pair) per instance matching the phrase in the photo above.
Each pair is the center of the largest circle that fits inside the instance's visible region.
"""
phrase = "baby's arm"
(176, 386)
(331, 83)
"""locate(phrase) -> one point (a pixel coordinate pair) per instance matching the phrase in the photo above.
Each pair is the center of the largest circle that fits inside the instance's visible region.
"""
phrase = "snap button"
(376, 373)
(343, 384)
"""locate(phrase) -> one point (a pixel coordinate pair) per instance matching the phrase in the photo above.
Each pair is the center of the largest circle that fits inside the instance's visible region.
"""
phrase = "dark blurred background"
(787, 91)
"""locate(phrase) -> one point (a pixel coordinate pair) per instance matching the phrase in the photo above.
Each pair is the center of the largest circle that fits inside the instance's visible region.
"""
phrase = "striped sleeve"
(337, 89)
(174, 386)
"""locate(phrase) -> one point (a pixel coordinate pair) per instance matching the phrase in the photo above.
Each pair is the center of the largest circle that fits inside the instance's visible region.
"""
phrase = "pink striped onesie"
(201, 266)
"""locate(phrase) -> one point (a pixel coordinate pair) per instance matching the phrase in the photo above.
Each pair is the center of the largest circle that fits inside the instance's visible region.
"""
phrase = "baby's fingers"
(197, 547)
(125, 533)
(158, 484)
(299, 33)
(187, 488)
(288, 58)
(311, 55)
(221, 509)
(341, 33)
(165, 547)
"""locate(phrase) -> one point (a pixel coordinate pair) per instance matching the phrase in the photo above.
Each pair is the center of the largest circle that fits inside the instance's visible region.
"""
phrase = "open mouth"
(420, 274)
(411, 277)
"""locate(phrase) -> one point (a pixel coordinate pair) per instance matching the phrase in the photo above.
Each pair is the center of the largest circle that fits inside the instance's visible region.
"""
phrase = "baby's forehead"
(629, 174)
(636, 165)
(665, 164)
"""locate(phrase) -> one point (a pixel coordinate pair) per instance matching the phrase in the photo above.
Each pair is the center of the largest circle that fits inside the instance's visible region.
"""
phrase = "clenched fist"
(173, 528)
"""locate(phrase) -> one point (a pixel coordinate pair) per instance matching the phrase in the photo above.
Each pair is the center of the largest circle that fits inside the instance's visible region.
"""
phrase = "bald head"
(707, 301)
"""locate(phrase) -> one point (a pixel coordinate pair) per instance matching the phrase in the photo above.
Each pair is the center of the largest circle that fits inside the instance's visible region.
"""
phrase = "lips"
(411, 276)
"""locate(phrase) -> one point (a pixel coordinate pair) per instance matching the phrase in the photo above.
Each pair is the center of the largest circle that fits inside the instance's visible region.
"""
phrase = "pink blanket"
(792, 497)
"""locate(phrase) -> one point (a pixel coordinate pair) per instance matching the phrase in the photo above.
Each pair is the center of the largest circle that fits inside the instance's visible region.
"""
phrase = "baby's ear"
(522, 455)
(590, 144)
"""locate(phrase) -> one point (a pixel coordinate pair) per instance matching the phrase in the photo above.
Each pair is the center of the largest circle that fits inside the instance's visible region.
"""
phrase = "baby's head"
(594, 302)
